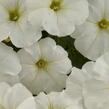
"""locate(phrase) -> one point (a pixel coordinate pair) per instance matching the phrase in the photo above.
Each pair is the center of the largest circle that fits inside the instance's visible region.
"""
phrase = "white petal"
(90, 43)
(65, 23)
(106, 9)
(9, 4)
(101, 67)
(23, 35)
(89, 69)
(38, 84)
(60, 99)
(55, 99)
(4, 30)
(15, 96)
(25, 57)
(76, 11)
(7, 56)
(28, 74)
(46, 46)
(90, 29)
(3, 89)
(37, 21)
(3, 14)
(96, 94)
(50, 22)
(10, 79)
(28, 104)
(96, 10)
(35, 51)
(75, 83)
(61, 66)
(58, 79)
(29, 70)
(37, 4)
(56, 24)
(4, 19)
(42, 101)
(50, 51)
(97, 47)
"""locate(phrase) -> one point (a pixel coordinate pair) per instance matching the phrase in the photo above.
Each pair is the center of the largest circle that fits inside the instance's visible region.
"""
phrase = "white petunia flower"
(14, 23)
(99, 69)
(16, 97)
(58, 17)
(55, 100)
(90, 85)
(97, 90)
(92, 38)
(90, 92)
(91, 71)
(75, 83)
(45, 66)
(9, 64)
(96, 94)
(78, 77)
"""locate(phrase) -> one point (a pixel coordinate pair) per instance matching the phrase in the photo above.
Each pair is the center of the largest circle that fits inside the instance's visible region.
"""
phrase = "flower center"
(7, 40)
(41, 64)
(1, 107)
(51, 106)
(103, 24)
(55, 5)
(14, 15)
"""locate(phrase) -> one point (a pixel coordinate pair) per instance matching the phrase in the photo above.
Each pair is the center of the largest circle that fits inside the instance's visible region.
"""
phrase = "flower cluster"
(54, 54)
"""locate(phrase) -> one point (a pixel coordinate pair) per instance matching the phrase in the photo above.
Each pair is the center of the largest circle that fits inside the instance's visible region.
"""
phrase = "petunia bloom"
(58, 17)
(45, 66)
(92, 38)
(56, 100)
(90, 85)
(15, 25)
(15, 97)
